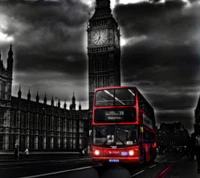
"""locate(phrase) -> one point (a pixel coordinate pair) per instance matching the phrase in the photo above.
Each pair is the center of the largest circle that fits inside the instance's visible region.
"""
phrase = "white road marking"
(45, 161)
(152, 166)
(19, 167)
(137, 173)
(81, 159)
(58, 172)
(7, 168)
(163, 161)
(84, 159)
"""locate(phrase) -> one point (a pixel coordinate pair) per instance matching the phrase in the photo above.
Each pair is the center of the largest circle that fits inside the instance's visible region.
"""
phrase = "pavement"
(8, 157)
(184, 168)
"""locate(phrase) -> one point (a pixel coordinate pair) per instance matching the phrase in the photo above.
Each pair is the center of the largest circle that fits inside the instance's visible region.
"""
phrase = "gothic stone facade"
(38, 126)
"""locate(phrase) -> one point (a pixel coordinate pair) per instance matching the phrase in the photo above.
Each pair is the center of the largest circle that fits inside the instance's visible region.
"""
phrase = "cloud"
(168, 41)
(48, 44)
(186, 118)
(164, 64)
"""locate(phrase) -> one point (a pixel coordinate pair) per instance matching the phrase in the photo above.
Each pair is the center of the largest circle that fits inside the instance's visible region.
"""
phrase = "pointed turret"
(79, 106)
(37, 98)
(45, 99)
(73, 105)
(59, 103)
(10, 60)
(19, 92)
(52, 101)
(10, 52)
(29, 95)
(73, 98)
(65, 105)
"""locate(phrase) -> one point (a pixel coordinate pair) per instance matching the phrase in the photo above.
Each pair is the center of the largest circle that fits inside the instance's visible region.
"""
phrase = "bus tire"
(152, 155)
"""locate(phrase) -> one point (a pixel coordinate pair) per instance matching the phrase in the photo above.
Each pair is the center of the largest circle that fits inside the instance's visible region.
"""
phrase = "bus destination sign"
(114, 115)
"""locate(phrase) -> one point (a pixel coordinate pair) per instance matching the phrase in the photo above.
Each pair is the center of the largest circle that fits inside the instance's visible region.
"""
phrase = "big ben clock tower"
(103, 49)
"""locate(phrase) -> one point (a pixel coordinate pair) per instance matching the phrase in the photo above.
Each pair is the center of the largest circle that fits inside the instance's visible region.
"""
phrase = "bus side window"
(153, 138)
(148, 137)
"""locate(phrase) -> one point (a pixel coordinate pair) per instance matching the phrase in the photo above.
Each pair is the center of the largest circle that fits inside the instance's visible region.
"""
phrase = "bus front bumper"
(116, 159)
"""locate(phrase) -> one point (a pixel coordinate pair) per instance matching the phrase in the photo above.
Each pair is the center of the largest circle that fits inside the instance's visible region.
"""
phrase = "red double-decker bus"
(123, 126)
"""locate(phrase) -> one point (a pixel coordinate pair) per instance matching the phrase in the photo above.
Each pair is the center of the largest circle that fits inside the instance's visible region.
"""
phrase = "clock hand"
(99, 38)
(99, 35)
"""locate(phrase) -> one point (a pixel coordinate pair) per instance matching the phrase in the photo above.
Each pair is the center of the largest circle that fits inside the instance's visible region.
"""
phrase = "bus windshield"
(115, 97)
(115, 135)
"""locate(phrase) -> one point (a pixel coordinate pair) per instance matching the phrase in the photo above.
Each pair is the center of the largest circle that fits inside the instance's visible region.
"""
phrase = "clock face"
(99, 37)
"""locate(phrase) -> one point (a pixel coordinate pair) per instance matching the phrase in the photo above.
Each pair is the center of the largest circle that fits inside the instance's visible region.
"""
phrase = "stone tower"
(103, 49)
(5, 99)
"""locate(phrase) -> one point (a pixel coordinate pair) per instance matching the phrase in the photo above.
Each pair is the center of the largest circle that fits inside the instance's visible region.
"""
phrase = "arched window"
(2, 110)
(3, 90)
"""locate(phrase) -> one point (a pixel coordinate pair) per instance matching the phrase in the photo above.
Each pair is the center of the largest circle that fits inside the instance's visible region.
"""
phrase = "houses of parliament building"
(30, 123)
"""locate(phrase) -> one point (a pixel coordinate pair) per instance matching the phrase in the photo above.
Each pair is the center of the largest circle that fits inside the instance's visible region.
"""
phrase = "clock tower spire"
(102, 9)
(103, 49)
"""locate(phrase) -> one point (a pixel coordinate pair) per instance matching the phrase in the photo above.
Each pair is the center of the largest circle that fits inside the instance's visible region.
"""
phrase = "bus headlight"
(97, 152)
(131, 153)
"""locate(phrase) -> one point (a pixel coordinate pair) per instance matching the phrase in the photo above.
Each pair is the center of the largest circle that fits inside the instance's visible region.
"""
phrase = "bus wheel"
(152, 156)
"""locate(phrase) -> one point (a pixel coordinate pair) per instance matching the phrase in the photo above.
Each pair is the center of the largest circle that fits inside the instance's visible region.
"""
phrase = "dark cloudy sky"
(160, 50)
